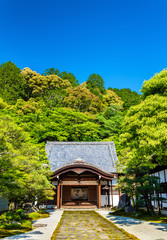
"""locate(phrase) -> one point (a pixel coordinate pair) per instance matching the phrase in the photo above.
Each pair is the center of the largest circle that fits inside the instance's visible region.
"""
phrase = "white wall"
(103, 200)
(161, 174)
(115, 200)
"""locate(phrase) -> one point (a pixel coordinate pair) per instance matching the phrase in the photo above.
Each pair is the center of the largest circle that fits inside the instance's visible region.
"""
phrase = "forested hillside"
(53, 106)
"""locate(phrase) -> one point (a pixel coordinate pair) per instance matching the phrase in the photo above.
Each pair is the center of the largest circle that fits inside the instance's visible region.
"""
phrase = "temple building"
(84, 174)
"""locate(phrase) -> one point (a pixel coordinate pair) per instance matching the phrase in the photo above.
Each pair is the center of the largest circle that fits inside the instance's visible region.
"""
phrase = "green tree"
(144, 130)
(95, 84)
(59, 124)
(41, 85)
(111, 98)
(70, 77)
(51, 88)
(110, 121)
(129, 98)
(11, 82)
(30, 106)
(156, 85)
(23, 172)
(64, 75)
(82, 99)
(140, 186)
(51, 71)
(27, 75)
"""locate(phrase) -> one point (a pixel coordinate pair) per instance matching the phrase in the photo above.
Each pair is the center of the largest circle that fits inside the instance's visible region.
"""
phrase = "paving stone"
(87, 225)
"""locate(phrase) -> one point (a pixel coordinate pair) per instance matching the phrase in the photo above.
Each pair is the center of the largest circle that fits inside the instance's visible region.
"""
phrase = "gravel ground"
(141, 229)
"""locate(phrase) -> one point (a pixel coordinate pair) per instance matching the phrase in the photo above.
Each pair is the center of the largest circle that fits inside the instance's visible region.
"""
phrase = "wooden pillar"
(99, 195)
(108, 194)
(111, 195)
(58, 196)
(61, 195)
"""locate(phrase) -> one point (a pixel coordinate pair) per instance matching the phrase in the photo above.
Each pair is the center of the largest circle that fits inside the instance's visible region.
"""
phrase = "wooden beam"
(83, 183)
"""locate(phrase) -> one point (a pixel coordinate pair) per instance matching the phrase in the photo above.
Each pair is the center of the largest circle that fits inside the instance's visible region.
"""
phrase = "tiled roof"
(100, 154)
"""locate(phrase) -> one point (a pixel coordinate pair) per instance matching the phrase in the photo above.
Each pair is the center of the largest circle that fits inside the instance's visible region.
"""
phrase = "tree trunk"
(149, 206)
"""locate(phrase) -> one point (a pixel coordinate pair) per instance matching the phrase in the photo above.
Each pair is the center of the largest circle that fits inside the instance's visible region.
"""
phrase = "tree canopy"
(64, 75)
(23, 177)
(156, 85)
(128, 97)
(11, 82)
(111, 98)
(95, 84)
(144, 135)
(144, 130)
(82, 99)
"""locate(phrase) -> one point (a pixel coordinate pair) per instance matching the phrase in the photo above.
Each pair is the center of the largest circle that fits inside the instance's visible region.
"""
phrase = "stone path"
(41, 233)
(141, 229)
(87, 225)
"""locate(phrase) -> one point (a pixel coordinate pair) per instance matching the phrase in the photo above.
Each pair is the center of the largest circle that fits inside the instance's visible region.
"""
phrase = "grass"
(11, 232)
(10, 229)
(35, 215)
(142, 215)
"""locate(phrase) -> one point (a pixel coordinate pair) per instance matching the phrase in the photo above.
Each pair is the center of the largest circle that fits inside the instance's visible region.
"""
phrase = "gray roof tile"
(101, 154)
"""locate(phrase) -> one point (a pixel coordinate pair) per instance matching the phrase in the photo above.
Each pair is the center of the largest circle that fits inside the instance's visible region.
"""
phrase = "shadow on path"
(25, 235)
(124, 220)
(160, 226)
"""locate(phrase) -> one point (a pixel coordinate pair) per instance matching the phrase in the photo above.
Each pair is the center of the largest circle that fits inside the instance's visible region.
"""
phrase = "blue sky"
(125, 41)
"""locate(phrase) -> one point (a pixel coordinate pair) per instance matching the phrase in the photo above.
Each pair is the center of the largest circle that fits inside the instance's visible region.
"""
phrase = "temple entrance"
(79, 196)
(79, 185)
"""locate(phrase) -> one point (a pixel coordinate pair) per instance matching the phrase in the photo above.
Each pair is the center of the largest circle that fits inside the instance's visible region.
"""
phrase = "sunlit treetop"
(156, 85)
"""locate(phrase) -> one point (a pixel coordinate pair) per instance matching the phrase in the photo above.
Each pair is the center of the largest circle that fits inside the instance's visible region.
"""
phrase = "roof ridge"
(79, 143)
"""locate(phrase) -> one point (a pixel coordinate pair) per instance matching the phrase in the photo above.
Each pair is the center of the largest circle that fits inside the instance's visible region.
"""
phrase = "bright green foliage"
(12, 216)
(145, 131)
(3, 104)
(34, 215)
(144, 135)
(110, 122)
(60, 124)
(95, 84)
(129, 98)
(27, 75)
(64, 75)
(70, 77)
(51, 88)
(23, 177)
(11, 82)
(30, 106)
(156, 85)
(111, 98)
(42, 85)
(82, 99)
